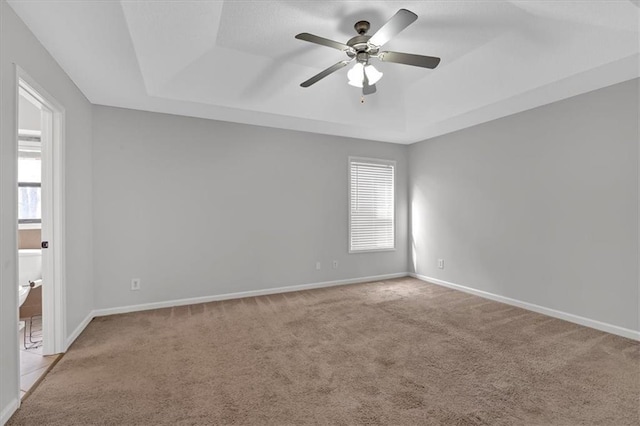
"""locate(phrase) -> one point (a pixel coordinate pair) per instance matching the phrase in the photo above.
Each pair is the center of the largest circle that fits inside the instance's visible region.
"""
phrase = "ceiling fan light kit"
(362, 48)
(357, 74)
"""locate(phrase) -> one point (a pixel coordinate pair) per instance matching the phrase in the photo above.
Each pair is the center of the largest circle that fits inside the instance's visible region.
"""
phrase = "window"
(29, 181)
(371, 205)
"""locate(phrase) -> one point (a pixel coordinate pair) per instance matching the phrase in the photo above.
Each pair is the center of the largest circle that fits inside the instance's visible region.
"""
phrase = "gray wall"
(541, 206)
(197, 207)
(19, 46)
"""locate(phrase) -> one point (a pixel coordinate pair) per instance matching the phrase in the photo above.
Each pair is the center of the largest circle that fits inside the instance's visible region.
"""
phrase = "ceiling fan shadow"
(263, 82)
(454, 37)
(486, 27)
(330, 12)
(375, 17)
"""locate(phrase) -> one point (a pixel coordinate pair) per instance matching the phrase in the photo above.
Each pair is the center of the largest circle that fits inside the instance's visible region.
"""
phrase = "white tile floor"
(33, 365)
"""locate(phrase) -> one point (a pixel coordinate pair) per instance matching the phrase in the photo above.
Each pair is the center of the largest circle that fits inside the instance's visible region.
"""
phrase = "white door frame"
(53, 258)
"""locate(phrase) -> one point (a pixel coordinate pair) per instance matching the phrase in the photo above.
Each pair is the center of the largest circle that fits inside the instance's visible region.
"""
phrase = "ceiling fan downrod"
(362, 27)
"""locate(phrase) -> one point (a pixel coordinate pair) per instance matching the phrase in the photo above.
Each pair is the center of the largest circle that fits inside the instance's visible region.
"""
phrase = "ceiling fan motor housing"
(362, 49)
(360, 43)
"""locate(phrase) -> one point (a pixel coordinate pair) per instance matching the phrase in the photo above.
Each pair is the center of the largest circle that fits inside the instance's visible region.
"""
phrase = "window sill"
(25, 226)
(371, 251)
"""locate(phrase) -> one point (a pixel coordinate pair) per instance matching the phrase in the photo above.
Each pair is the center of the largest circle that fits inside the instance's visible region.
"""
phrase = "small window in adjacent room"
(29, 182)
(371, 205)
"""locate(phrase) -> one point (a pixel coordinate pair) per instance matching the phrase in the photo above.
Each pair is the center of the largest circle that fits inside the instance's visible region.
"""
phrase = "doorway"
(40, 234)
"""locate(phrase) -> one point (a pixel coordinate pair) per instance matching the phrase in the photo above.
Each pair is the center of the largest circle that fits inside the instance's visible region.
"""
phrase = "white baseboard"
(239, 295)
(8, 411)
(79, 329)
(598, 325)
(609, 328)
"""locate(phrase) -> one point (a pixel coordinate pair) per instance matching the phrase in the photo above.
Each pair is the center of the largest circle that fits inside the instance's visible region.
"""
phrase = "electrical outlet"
(441, 263)
(318, 266)
(135, 284)
(335, 264)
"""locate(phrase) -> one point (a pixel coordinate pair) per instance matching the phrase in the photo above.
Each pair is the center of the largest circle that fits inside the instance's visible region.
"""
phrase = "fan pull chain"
(362, 99)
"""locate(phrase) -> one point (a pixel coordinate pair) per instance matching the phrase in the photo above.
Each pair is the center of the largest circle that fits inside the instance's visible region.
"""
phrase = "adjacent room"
(294, 212)
(35, 359)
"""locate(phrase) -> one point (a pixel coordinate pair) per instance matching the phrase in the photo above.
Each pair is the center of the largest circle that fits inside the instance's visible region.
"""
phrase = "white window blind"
(371, 210)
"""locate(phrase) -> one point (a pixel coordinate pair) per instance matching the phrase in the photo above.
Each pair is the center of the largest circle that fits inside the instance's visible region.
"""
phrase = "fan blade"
(409, 59)
(367, 89)
(316, 78)
(323, 41)
(398, 22)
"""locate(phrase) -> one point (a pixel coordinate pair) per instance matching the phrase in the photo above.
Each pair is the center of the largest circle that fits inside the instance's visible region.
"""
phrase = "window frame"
(371, 161)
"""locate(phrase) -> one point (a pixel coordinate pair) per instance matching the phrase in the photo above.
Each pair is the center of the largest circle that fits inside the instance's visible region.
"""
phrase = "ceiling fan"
(363, 47)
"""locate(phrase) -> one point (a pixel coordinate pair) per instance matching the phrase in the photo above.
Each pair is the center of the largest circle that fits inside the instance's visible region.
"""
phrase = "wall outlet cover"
(135, 284)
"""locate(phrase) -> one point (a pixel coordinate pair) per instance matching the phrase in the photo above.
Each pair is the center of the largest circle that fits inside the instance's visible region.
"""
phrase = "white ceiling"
(238, 60)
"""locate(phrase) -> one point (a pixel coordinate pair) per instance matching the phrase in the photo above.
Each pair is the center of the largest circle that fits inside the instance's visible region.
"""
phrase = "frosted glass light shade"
(372, 74)
(356, 75)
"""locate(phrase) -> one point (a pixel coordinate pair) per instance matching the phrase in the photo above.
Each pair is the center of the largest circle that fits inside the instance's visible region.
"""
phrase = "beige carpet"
(395, 352)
